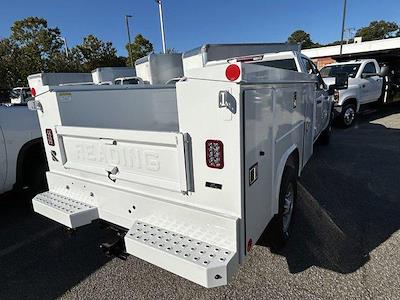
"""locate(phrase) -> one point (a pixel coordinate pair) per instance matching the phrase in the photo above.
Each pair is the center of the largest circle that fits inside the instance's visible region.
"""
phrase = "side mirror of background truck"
(384, 71)
(341, 83)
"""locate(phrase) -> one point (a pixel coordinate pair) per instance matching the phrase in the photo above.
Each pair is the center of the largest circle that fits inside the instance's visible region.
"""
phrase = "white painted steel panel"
(151, 158)
(65, 210)
(193, 259)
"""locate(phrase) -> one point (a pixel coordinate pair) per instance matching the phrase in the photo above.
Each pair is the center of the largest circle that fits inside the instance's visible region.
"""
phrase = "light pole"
(66, 46)
(343, 24)
(162, 25)
(129, 38)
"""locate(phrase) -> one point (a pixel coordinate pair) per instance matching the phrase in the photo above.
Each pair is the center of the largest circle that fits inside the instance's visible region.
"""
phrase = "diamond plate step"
(198, 261)
(65, 210)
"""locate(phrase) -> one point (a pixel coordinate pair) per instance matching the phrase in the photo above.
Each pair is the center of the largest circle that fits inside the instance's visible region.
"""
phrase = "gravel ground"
(345, 244)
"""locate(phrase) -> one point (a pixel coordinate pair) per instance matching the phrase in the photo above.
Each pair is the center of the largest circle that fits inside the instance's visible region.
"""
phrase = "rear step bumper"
(178, 247)
(195, 260)
(67, 211)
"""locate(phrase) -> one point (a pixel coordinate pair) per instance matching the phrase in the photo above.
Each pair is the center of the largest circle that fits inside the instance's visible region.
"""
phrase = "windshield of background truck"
(131, 81)
(14, 94)
(331, 71)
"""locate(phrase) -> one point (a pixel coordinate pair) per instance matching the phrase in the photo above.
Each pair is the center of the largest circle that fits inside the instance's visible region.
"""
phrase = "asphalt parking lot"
(345, 244)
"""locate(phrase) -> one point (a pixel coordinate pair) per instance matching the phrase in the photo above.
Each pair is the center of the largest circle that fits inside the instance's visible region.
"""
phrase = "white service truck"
(365, 85)
(22, 158)
(190, 174)
(20, 95)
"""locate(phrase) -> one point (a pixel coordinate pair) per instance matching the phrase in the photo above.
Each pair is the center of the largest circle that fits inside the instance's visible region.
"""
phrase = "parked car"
(20, 95)
(128, 80)
(22, 157)
(365, 85)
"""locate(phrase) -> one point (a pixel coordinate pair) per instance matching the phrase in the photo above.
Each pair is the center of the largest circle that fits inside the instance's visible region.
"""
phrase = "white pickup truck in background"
(189, 174)
(20, 95)
(365, 85)
(22, 158)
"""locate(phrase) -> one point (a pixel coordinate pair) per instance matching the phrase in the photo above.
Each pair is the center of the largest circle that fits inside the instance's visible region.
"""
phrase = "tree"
(94, 53)
(302, 37)
(139, 48)
(378, 30)
(8, 67)
(30, 48)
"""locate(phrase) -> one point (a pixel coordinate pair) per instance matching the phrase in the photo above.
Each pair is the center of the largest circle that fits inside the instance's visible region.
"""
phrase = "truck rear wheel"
(287, 204)
(347, 115)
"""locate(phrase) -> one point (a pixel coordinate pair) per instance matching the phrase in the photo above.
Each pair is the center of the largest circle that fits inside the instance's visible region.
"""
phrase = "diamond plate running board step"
(195, 260)
(65, 210)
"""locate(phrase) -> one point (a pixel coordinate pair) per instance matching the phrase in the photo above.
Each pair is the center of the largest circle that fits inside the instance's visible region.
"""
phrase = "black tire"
(36, 179)
(283, 221)
(348, 115)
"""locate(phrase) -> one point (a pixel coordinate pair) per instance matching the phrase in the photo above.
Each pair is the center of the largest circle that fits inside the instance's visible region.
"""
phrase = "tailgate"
(157, 159)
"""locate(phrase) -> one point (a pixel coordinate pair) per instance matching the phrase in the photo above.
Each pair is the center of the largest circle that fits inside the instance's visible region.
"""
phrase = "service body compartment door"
(309, 120)
(143, 157)
(259, 157)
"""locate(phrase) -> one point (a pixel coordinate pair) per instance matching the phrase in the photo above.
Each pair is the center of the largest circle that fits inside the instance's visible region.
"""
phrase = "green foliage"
(378, 30)
(33, 47)
(94, 53)
(8, 68)
(139, 48)
(303, 38)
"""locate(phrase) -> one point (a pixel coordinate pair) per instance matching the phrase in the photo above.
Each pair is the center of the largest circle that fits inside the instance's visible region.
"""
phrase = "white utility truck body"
(192, 172)
(20, 141)
(107, 75)
(50, 79)
(365, 85)
(159, 68)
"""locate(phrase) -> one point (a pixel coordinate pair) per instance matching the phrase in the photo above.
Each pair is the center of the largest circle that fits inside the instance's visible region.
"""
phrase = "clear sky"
(192, 23)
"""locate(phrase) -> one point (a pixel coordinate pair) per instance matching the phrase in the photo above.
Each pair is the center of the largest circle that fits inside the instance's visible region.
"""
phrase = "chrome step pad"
(198, 261)
(65, 210)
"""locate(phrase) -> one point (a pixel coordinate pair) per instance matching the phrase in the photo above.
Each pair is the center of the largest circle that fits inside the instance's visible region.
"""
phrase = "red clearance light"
(33, 92)
(215, 154)
(232, 72)
(50, 138)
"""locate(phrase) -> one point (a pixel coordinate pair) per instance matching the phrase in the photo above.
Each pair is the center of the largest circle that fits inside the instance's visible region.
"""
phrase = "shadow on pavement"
(38, 259)
(349, 197)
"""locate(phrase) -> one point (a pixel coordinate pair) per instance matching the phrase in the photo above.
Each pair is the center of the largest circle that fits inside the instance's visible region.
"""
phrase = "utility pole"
(162, 25)
(343, 24)
(129, 38)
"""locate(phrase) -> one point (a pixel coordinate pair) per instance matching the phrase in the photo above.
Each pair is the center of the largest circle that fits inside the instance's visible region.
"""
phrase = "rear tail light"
(50, 138)
(215, 154)
(33, 92)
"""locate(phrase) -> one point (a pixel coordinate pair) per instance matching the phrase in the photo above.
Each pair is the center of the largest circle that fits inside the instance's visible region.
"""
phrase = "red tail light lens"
(215, 154)
(232, 72)
(33, 92)
(50, 138)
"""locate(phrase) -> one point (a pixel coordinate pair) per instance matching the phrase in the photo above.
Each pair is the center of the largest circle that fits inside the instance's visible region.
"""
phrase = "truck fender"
(353, 100)
(23, 152)
(279, 173)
